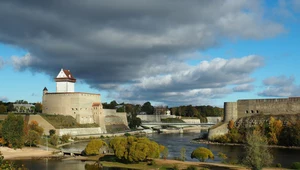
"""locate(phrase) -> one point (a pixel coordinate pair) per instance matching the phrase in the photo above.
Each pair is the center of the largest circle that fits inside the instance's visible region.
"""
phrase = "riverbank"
(158, 164)
(202, 141)
(25, 153)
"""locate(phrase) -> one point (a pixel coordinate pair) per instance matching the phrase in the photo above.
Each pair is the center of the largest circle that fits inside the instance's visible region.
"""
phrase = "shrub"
(127, 134)
(278, 165)
(222, 156)
(65, 138)
(52, 132)
(191, 167)
(54, 140)
(202, 154)
(295, 165)
(94, 146)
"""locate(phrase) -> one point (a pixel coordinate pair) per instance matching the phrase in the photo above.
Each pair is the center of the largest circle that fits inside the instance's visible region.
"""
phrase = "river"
(174, 142)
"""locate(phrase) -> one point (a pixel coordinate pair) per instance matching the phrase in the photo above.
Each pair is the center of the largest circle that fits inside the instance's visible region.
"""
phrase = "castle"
(84, 107)
(244, 108)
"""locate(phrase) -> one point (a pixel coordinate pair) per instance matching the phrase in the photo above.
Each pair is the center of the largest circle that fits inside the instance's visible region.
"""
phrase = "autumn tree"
(275, 128)
(202, 154)
(33, 133)
(12, 130)
(133, 149)
(94, 146)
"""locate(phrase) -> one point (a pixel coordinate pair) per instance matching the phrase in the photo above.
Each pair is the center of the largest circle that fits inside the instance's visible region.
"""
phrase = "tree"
(3, 109)
(12, 130)
(10, 107)
(133, 149)
(52, 132)
(94, 146)
(202, 154)
(38, 108)
(65, 138)
(54, 140)
(182, 153)
(165, 153)
(134, 122)
(34, 125)
(148, 108)
(257, 154)
(275, 128)
(33, 138)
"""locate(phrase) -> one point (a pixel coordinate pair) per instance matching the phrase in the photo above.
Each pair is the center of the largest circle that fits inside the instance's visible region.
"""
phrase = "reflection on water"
(174, 142)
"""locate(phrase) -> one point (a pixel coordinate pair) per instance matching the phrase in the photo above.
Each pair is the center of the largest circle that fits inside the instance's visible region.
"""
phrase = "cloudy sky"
(169, 52)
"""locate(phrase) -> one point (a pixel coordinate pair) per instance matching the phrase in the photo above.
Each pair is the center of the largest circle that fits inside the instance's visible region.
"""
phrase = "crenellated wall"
(244, 108)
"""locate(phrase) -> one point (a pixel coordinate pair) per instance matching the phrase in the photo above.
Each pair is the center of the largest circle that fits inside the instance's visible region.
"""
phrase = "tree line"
(8, 107)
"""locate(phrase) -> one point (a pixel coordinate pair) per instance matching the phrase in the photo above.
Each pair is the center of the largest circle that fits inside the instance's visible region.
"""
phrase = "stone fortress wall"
(86, 108)
(244, 108)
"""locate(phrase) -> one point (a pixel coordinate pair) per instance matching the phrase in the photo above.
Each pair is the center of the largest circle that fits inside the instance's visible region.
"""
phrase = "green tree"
(134, 122)
(10, 107)
(222, 156)
(38, 108)
(12, 130)
(3, 109)
(33, 138)
(202, 154)
(165, 153)
(257, 154)
(183, 154)
(54, 140)
(52, 132)
(148, 108)
(65, 138)
(94, 146)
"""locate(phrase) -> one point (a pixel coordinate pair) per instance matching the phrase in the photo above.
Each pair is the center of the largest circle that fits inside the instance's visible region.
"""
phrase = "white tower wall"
(65, 87)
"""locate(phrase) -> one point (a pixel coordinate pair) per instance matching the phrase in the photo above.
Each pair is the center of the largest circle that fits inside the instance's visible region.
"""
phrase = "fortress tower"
(65, 82)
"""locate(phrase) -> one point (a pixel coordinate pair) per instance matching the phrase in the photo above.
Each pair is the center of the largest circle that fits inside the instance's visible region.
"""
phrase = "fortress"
(244, 108)
(84, 107)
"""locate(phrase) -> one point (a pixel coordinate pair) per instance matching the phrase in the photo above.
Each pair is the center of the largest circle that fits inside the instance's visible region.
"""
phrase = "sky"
(168, 52)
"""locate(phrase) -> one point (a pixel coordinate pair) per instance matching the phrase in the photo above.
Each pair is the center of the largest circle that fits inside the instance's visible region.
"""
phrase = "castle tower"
(65, 82)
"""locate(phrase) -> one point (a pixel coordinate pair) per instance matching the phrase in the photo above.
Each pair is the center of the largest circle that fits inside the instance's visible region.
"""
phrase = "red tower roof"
(65, 76)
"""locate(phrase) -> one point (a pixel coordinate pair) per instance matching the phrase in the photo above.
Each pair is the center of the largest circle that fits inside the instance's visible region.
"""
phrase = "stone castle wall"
(244, 108)
(72, 104)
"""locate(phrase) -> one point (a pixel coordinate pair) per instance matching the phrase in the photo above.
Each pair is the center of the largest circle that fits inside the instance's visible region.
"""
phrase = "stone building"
(84, 107)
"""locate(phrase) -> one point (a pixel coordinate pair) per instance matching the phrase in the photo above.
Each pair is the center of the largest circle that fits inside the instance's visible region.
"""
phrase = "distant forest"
(147, 108)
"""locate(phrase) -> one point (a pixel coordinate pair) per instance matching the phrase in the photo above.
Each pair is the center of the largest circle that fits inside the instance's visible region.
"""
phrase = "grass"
(60, 121)
(172, 120)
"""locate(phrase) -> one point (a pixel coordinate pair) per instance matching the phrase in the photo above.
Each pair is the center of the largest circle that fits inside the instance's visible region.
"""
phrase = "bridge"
(178, 125)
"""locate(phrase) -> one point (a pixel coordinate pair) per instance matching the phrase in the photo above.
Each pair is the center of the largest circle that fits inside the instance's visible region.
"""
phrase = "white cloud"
(243, 88)
(280, 86)
(1, 62)
(3, 98)
(20, 62)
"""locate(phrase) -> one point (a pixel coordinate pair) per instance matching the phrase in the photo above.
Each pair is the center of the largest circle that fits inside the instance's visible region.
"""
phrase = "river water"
(174, 142)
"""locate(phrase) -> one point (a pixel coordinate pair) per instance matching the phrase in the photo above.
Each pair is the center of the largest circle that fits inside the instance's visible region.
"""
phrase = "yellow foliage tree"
(133, 149)
(202, 154)
(275, 127)
(94, 146)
